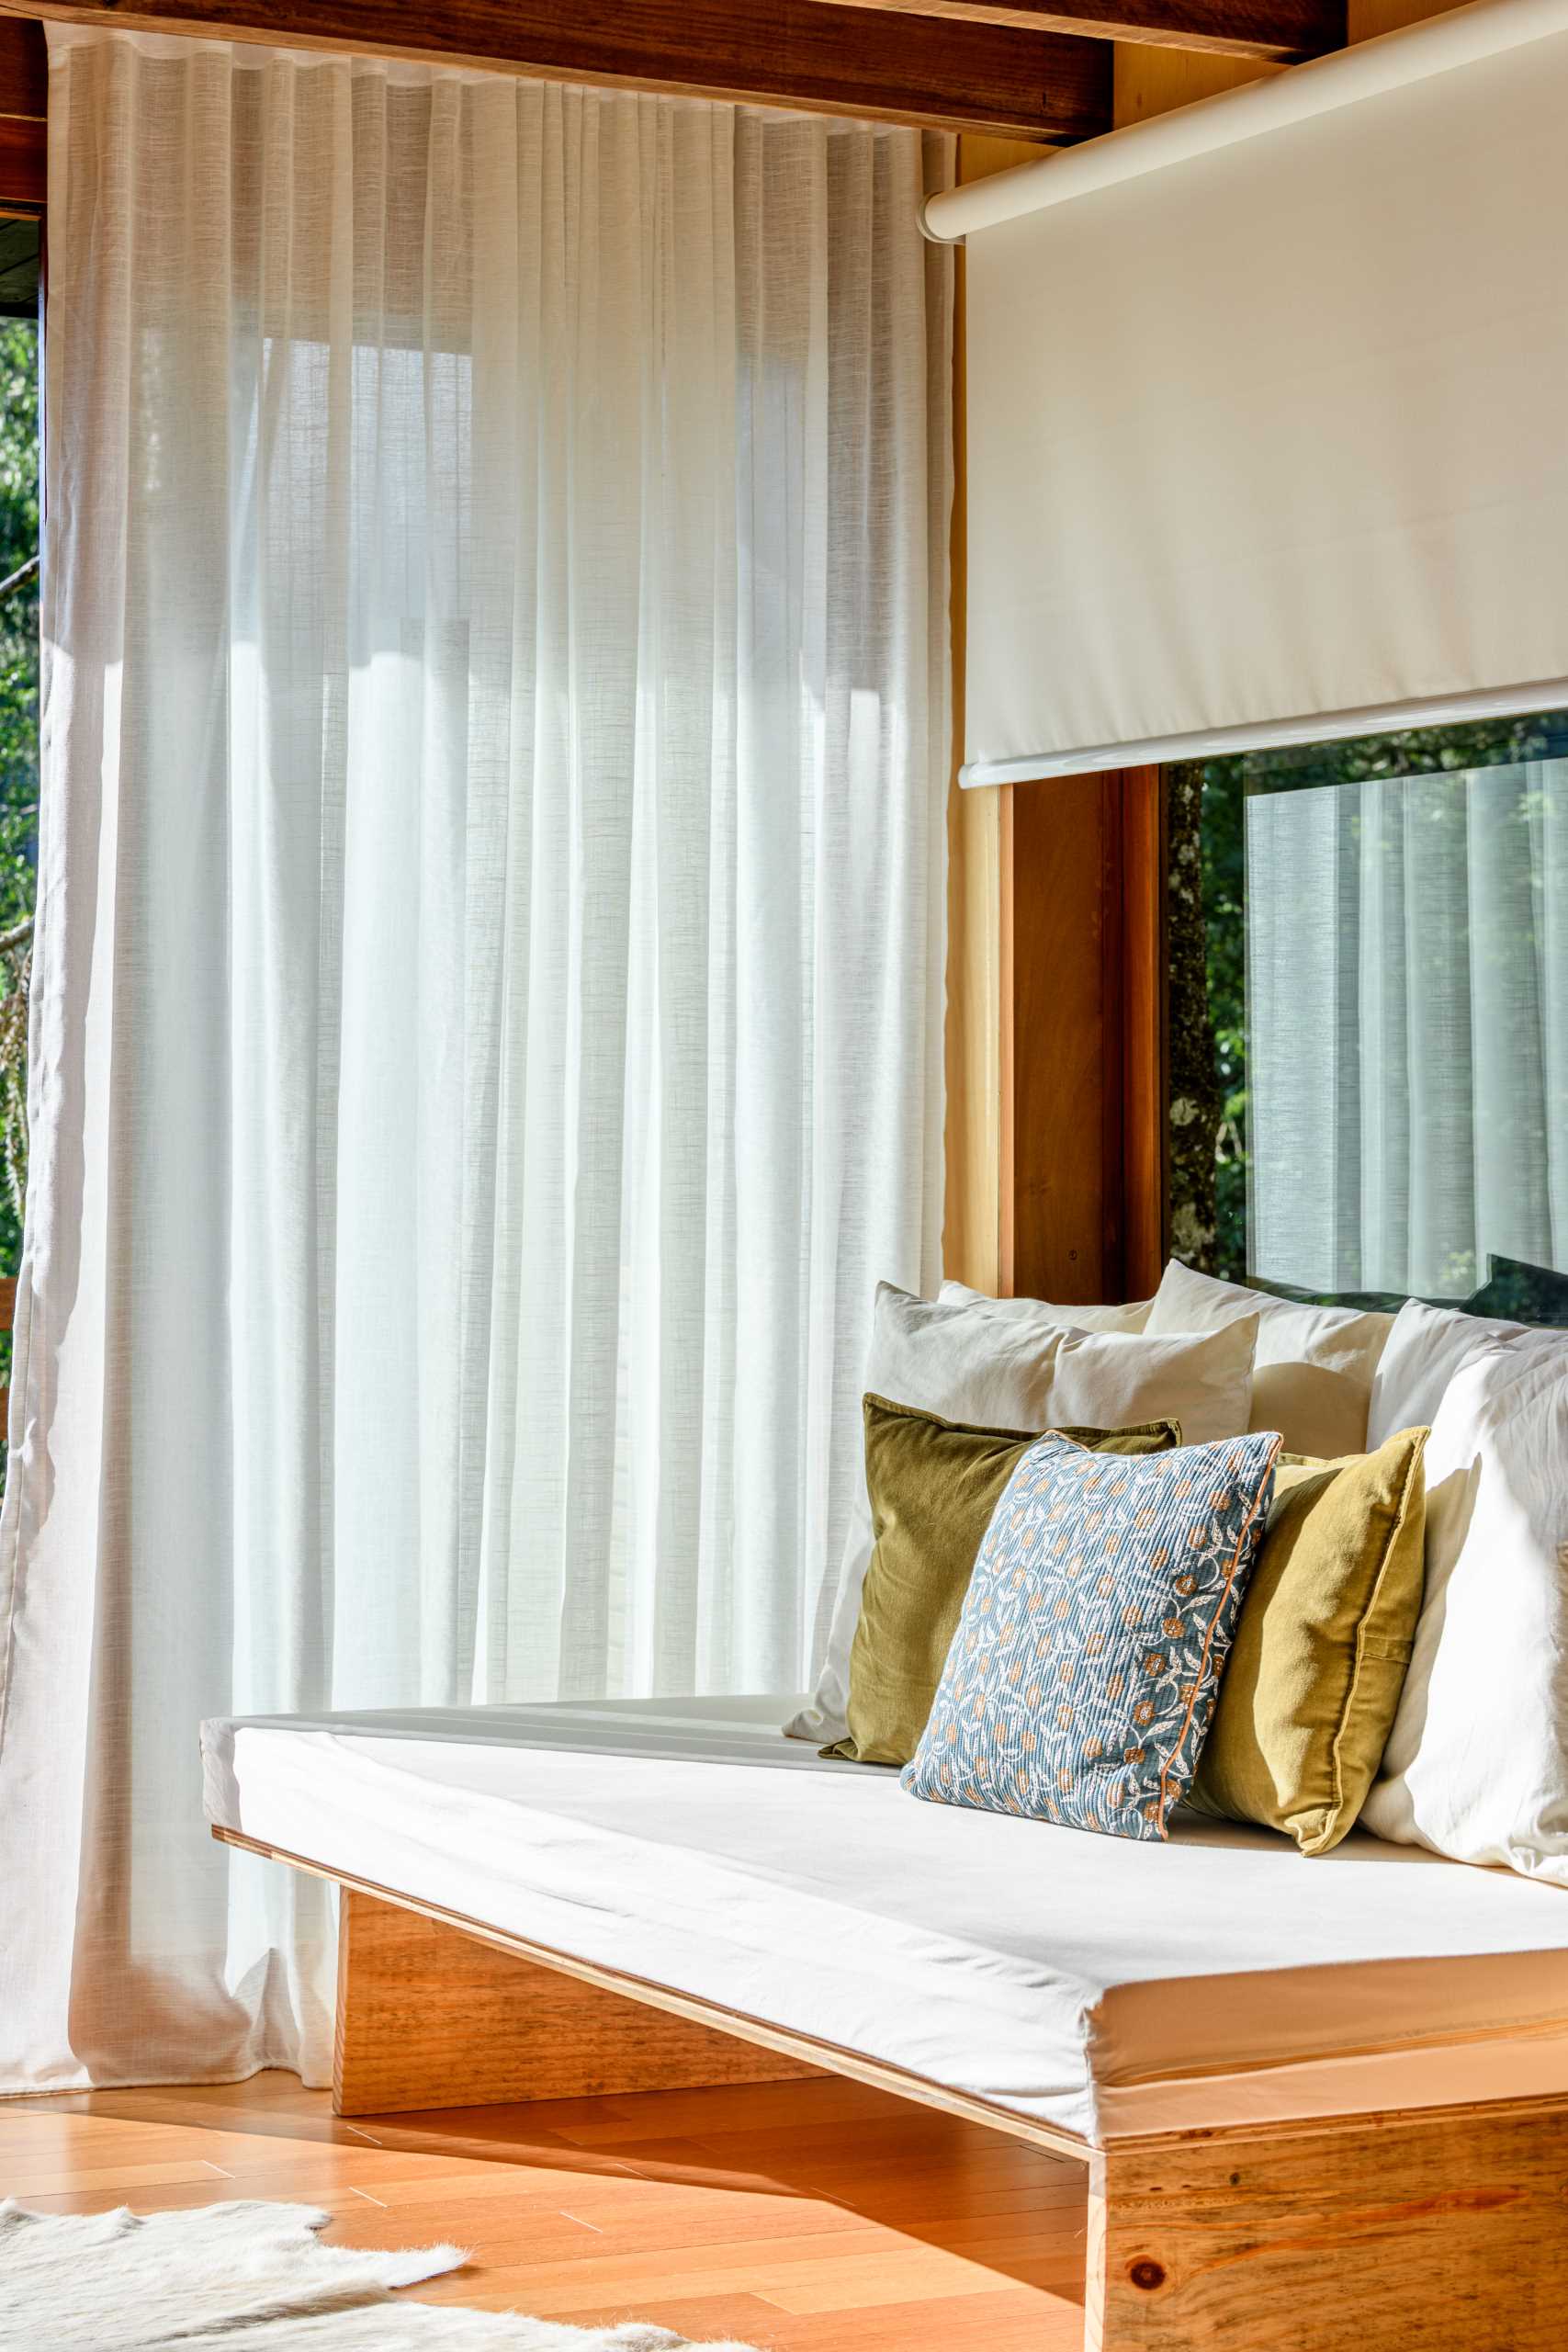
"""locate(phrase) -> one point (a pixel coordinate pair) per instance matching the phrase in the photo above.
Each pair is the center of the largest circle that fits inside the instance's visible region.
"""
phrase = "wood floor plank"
(797, 2216)
(859, 2282)
(773, 2268)
(632, 2226)
(707, 2319)
(49, 2176)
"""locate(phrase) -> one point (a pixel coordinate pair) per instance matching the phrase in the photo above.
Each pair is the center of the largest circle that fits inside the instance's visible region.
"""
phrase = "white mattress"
(1103, 1987)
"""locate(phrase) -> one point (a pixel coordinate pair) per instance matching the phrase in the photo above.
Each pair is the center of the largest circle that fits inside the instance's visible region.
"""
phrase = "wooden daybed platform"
(1322, 2104)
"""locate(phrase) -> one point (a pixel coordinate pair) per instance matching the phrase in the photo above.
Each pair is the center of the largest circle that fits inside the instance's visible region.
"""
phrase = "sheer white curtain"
(1407, 1028)
(487, 1012)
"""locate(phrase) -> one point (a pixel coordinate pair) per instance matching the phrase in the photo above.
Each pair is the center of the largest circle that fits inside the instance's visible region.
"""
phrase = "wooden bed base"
(1437, 2229)
(430, 2017)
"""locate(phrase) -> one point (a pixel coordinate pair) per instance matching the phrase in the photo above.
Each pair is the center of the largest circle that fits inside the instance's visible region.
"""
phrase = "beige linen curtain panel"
(486, 1035)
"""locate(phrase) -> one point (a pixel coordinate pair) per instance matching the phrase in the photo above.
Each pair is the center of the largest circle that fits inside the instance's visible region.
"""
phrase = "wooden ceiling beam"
(1275, 31)
(945, 73)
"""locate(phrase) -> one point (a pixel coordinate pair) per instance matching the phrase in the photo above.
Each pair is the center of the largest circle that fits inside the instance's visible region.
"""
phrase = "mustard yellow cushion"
(1319, 1657)
(933, 1485)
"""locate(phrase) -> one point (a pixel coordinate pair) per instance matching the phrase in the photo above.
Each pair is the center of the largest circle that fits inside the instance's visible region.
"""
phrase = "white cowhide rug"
(249, 2278)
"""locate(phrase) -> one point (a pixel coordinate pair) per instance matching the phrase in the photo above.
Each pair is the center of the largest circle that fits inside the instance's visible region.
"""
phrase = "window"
(1370, 1009)
(20, 245)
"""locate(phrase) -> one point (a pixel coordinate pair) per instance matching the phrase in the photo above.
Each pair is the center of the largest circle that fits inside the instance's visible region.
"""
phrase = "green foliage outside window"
(18, 753)
(1225, 905)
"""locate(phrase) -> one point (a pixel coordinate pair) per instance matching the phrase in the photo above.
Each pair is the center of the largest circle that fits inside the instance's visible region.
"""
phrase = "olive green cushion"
(1318, 1661)
(933, 1485)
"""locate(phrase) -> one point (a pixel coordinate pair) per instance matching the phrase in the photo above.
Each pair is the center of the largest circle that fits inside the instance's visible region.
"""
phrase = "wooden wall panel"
(1366, 18)
(1150, 82)
(24, 166)
(1081, 1122)
(24, 89)
(1059, 935)
(972, 1233)
(1145, 1082)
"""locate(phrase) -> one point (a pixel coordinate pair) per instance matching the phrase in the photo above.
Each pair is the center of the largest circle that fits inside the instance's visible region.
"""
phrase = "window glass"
(18, 729)
(1369, 1011)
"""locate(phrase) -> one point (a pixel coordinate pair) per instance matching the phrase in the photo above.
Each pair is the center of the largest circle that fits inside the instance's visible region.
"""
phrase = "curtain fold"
(487, 1002)
(1407, 1028)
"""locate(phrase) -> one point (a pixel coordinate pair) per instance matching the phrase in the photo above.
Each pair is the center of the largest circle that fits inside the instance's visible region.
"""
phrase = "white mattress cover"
(1101, 1985)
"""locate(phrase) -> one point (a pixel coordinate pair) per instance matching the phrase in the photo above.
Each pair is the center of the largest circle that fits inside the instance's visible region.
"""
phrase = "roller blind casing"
(1274, 440)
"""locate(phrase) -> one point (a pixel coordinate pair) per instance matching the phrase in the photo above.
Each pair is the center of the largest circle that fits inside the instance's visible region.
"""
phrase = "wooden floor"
(802, 2217)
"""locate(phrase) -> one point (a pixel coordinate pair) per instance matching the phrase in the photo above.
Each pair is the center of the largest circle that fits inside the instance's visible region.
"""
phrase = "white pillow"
(1428, 1346)
(1476, 1765)
(1114, 1379)
(1131, 1317)
(1313, 1378)
(1020, 1371)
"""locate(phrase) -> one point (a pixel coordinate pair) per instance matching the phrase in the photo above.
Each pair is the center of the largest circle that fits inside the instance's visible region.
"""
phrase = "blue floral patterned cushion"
(1083, 1674)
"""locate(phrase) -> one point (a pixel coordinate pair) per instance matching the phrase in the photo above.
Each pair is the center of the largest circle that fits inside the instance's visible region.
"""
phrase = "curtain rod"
(1413, 54)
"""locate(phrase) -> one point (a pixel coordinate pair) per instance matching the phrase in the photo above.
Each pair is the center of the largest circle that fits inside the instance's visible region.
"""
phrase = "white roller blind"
(1267, 410)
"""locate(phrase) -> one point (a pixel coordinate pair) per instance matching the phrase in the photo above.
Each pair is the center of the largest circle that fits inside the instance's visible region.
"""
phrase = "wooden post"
(1445, 2228)
(1082, 982)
